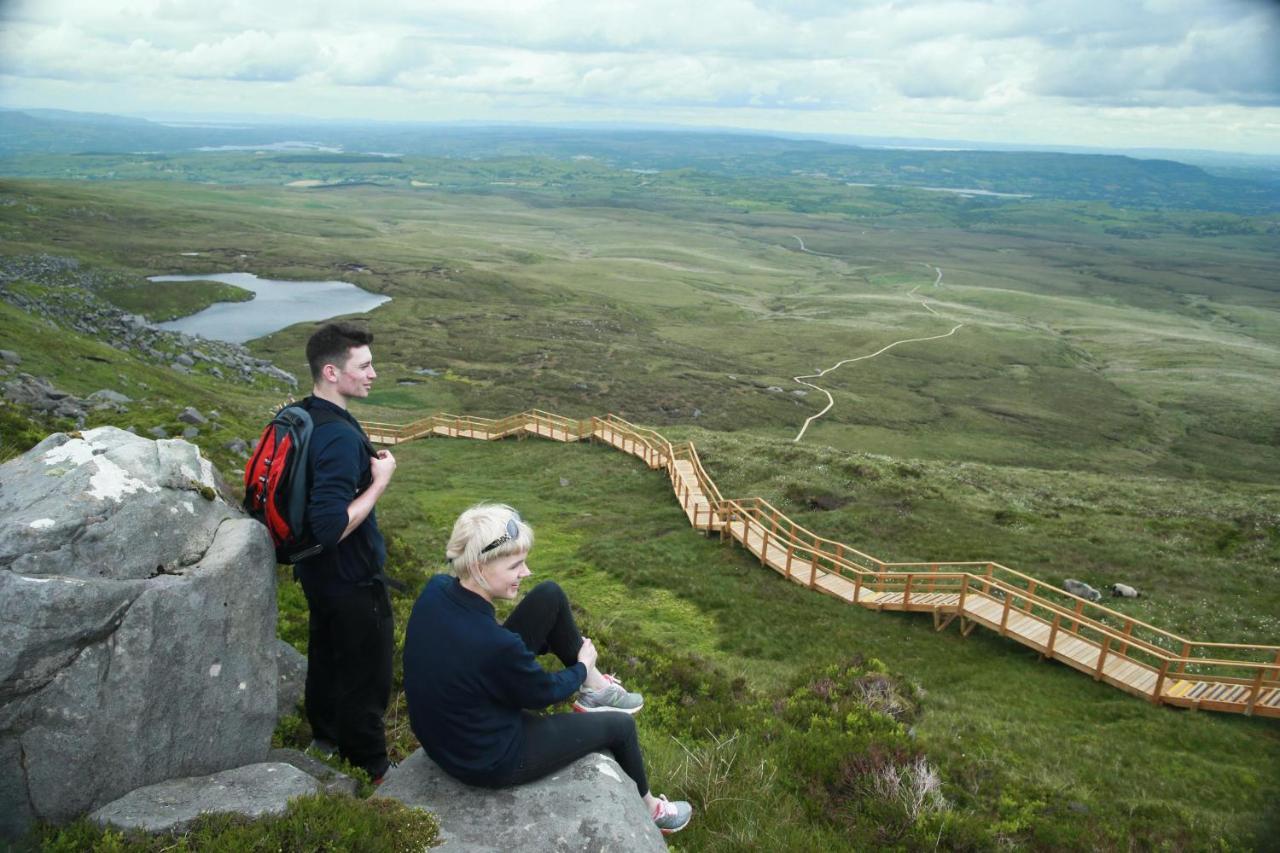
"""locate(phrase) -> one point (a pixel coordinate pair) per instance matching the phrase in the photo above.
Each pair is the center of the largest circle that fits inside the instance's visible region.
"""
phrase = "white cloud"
(969, 67)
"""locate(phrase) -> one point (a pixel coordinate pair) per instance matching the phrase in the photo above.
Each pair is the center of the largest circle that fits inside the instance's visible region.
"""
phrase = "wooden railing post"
(964, 592)
(1254, 692)
(1031, 592)
(814, 555)
(791, 549)
(1158, 694)
(1128, 632)
(857, 588)
(1075, 623)
(1053, 633)
(1102, 656)
(1004, 613)
(1186, 653)
(906, 592)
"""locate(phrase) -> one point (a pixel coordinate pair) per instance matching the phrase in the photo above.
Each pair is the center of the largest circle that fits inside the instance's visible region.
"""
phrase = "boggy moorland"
(1105, 412)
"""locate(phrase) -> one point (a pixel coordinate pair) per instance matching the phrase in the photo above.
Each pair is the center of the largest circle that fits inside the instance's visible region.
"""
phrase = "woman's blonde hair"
(475, 533)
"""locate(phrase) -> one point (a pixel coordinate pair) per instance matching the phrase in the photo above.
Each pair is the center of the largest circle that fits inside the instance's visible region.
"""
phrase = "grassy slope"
(588, 309)
(81, 366)
(1166, 343)
(1013, 735)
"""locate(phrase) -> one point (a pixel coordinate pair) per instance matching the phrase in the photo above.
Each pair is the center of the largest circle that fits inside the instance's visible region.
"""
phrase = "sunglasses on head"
(513, 533)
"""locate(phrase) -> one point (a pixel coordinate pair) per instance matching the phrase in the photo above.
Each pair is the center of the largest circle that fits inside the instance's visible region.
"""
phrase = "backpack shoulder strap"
(325, 415)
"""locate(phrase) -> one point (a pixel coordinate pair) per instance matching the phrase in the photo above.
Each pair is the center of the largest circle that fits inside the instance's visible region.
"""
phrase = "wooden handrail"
(1177, 638)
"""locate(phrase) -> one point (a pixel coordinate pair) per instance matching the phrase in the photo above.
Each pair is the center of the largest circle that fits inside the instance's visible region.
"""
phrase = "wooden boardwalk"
(1101, 643)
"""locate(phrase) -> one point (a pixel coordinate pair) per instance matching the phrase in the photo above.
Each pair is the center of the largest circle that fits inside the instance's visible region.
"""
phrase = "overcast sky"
(1114, 73)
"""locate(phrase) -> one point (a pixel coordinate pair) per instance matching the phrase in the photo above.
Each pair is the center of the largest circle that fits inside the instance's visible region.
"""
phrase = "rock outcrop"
(40, 395)
(291, 665)
(591, 805)
(137, 624)
(254, 790)
(72, 296)
(331, 781)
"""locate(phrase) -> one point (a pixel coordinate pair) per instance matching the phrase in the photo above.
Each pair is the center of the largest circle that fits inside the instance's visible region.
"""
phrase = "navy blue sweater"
(340, 471)
(467, 678)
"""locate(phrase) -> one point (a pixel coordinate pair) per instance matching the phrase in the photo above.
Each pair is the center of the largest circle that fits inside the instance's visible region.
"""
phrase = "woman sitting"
(471, 682)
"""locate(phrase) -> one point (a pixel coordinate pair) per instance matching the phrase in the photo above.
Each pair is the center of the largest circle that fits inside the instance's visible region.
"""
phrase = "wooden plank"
(982, 606)
(1029, 627)
(1078, 650)
(839, 586)
(1147, 678)
(1231, 693)
(1128, 671)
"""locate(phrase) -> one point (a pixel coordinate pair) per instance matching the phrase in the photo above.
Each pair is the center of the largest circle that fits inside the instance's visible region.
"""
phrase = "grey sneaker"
(612, 697)
(322, 747)
(672, 817)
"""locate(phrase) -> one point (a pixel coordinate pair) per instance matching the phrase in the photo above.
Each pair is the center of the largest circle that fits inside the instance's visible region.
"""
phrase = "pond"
(275, 305)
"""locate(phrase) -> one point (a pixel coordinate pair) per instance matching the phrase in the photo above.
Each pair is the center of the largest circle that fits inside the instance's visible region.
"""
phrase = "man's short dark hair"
(332, 343)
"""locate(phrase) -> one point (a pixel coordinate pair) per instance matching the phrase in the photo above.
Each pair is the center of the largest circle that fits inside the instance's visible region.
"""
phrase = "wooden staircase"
(1102, 643)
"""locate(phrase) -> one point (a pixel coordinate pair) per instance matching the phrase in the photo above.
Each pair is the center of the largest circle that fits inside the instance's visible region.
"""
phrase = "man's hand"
(382, 466)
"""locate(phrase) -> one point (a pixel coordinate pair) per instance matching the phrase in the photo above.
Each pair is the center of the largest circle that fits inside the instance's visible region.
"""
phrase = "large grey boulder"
(291, 665)
(171, 806)
(591, 805)
(331, 781)
(137, 624)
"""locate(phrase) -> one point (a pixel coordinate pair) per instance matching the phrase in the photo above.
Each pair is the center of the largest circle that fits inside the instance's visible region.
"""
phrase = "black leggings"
(545, 623)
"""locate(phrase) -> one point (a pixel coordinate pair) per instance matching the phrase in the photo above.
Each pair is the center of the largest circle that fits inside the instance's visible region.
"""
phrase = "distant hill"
(1120, 180)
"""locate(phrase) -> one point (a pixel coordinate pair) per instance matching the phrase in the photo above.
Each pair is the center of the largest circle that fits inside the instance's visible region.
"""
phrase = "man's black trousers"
(349, 653)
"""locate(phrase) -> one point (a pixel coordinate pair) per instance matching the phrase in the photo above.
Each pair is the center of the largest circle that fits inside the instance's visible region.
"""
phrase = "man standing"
(350, 641)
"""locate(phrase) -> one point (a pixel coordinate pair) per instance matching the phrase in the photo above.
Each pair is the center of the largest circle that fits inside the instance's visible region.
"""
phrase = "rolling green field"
(1106, 411)
(1079, 349)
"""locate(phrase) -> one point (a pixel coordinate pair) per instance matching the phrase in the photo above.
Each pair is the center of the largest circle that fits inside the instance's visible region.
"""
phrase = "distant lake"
(275, 305)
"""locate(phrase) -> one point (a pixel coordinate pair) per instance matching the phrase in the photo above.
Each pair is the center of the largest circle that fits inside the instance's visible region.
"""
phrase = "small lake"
(275, 305)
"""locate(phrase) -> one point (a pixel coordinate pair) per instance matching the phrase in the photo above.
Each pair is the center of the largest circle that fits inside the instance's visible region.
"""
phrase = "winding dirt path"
(809, 251)
(924, 303)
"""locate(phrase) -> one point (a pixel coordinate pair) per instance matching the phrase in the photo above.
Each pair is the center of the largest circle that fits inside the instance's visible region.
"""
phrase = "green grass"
(160, 301)
(315, 822)
(1105, 413)
(1023, 746)
(1079, 349)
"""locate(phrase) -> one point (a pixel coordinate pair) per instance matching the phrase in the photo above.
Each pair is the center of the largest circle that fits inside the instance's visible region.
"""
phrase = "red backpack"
(277, 478)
